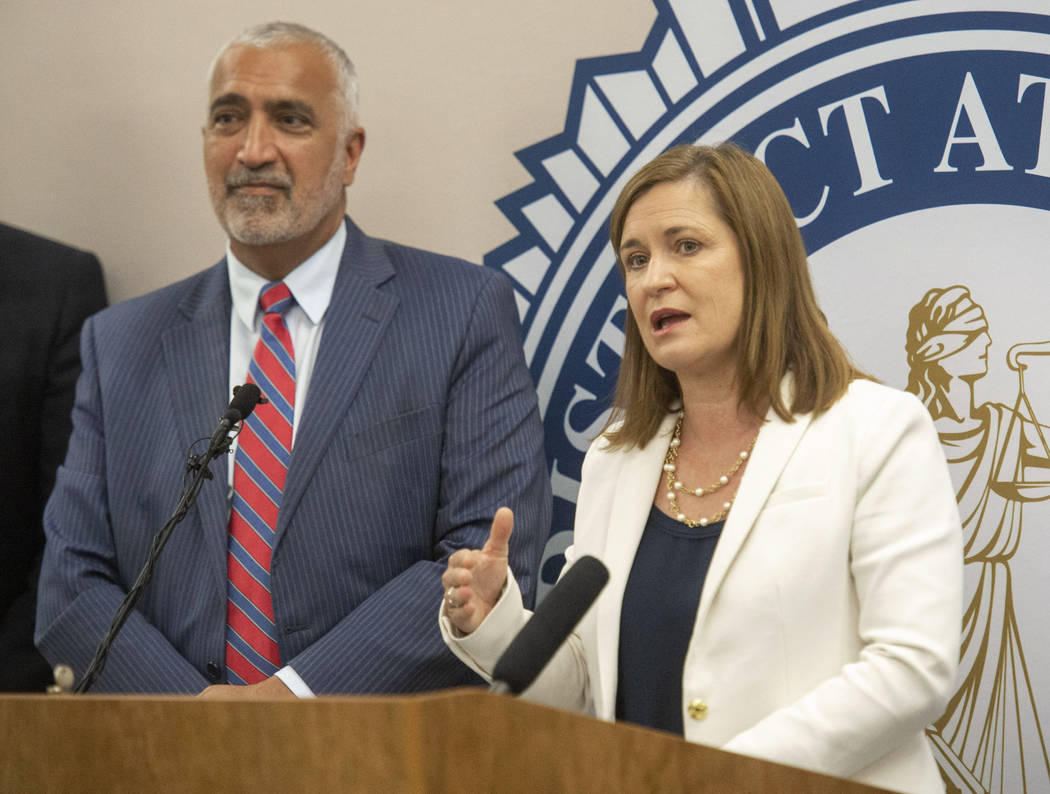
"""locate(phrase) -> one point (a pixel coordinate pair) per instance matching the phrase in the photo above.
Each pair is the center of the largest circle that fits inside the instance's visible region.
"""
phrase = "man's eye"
(223, 119)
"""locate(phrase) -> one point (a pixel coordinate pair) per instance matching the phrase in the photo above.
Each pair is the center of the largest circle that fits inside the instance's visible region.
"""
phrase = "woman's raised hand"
(474, 578)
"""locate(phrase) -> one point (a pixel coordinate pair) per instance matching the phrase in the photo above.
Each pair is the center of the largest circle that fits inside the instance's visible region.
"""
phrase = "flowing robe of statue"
(990, 734)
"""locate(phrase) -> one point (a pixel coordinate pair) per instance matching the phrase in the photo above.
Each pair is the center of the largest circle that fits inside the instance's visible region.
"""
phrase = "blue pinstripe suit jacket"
(421, 420)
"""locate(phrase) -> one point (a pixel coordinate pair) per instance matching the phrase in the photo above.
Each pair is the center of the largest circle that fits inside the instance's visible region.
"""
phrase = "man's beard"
(270, 219)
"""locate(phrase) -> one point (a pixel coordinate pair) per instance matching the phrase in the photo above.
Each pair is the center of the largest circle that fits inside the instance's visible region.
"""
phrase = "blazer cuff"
(482, 648)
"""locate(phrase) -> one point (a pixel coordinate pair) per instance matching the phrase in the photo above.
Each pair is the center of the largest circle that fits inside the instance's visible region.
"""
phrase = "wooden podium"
(456, 741)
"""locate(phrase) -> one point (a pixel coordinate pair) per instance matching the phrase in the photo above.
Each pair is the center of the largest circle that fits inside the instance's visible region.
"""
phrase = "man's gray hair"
(277, 34)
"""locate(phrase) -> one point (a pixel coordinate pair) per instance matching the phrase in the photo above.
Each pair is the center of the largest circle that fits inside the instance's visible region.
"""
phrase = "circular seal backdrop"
(913, 141)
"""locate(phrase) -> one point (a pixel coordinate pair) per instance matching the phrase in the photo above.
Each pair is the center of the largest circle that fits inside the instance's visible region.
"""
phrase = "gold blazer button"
(697, 709)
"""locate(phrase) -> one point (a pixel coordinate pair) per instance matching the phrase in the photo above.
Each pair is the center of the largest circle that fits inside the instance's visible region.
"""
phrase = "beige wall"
(104, 102)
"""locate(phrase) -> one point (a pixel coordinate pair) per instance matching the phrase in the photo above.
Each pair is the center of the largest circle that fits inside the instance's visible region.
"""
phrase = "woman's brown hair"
(783, 329)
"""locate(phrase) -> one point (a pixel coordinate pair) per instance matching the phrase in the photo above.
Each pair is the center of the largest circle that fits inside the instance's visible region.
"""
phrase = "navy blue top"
(656, 624)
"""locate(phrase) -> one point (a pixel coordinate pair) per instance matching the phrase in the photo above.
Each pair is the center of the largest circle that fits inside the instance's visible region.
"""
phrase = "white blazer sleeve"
(561, 684)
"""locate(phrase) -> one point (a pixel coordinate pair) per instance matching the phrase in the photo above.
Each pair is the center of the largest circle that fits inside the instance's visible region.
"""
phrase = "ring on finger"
(452, 602)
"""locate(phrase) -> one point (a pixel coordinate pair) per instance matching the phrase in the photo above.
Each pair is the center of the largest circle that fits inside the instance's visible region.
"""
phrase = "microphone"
(551, 623)
(245, 398)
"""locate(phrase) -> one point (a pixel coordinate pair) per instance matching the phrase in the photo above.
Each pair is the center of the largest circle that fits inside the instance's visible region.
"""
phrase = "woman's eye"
(689, 246)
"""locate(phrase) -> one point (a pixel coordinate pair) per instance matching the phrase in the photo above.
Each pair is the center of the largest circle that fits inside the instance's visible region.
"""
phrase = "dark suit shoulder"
(182, 297)
(46, 290)
(139, 322)
(439, 272)
(452, 293)
(32, 266)
(23, 248)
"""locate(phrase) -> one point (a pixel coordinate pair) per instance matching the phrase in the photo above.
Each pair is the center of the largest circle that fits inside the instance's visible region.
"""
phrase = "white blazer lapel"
(630, 497)
(776, 443)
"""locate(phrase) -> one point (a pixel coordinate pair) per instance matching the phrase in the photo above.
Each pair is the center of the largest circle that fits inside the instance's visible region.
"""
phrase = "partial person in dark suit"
(46, 291)
(420, 421)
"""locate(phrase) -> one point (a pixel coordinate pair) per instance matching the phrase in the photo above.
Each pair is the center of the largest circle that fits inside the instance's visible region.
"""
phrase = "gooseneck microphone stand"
(245, 398)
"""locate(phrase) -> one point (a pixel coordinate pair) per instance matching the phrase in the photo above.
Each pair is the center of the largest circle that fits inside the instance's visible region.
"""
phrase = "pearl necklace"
(674, 485)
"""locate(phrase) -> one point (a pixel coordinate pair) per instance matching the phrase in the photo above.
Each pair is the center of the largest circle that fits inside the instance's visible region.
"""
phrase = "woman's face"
(684, 279)
(971, 361)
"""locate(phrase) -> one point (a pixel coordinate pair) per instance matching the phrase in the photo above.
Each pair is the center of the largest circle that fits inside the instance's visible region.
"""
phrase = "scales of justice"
(1013, 486)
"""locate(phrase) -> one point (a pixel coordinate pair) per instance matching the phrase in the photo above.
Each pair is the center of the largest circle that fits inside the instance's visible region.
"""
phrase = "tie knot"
(275, 298)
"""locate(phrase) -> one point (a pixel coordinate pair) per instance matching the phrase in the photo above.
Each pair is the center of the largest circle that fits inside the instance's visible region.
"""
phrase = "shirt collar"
(311, 283)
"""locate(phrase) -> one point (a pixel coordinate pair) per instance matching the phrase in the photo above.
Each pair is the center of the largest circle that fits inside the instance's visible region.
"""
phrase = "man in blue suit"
(414, 418)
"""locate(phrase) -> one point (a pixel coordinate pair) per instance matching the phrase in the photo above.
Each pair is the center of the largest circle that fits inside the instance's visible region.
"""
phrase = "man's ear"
(355, 145)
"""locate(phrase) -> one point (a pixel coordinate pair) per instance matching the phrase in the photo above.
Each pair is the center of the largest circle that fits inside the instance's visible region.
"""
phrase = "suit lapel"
(632, 498)
(354, 323)
(776, 443)
(197, 366)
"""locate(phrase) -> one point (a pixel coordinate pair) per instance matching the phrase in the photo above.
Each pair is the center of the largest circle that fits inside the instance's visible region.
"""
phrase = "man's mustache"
(243, 177)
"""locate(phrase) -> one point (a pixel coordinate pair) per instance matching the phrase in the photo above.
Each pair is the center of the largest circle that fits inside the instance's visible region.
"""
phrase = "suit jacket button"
(697, 709)
(213, 672)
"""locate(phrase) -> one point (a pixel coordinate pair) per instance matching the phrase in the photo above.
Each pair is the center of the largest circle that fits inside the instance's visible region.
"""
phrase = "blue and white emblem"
(913, 141)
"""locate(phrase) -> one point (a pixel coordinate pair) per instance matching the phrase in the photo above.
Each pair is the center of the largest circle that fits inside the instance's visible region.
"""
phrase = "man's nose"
(258, 147)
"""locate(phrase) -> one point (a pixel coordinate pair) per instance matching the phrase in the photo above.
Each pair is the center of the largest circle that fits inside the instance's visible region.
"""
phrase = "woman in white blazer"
(782, 536)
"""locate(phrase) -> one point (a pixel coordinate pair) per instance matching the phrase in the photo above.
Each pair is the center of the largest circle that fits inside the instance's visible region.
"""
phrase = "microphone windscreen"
(551, 623)
(245, 398)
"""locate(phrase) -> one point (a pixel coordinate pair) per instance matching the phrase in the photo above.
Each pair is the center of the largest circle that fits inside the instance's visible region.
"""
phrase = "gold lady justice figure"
(989, 738)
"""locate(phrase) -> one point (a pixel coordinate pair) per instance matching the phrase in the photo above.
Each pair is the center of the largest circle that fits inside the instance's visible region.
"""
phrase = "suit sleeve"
(80, 585)
(906, 563)
(492, 455)
(563, 682)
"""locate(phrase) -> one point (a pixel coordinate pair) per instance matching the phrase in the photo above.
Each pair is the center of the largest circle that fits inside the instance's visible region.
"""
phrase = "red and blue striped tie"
(260, 465)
